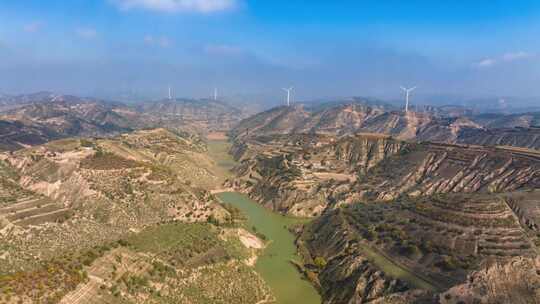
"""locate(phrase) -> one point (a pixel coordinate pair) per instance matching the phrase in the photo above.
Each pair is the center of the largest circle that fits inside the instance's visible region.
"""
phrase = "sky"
(137, 48)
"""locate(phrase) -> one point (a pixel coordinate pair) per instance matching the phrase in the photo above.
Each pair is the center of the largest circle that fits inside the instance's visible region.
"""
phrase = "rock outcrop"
(305, 174)
(516, 281)
(299, 174)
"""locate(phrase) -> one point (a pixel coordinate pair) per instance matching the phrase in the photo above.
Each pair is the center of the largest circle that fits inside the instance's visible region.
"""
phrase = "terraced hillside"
(67, 205)
(416, 249)
(517, 137)
(22, 207)
(403, 222)
(306, 174)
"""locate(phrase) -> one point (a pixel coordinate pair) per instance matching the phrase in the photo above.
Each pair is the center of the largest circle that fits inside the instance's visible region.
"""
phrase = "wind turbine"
(408, 93)
(170, 94)
(289, 90)
(215, 94)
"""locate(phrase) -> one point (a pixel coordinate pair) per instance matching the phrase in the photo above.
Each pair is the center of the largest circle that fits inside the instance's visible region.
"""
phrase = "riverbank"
(274, 264)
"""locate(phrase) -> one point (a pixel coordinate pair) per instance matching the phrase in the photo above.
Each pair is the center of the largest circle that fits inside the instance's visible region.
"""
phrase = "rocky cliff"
(301, 174)
(304, 177)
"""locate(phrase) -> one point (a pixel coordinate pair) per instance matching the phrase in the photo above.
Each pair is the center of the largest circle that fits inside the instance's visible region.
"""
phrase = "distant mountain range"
(446, 124)
(38, 118)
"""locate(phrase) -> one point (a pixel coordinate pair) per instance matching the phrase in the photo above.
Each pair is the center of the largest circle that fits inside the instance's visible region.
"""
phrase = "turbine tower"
(408, 93)
(289, 90)
(215, 94)
(170, 94)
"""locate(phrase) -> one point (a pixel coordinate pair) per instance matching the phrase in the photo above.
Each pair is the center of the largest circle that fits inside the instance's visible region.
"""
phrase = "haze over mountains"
(269, 152)
(436, 208)
(37, 118)
(41, 117)
(435, 124)
(430, 206)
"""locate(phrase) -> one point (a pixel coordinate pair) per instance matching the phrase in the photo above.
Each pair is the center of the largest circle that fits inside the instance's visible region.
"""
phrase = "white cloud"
(33, 27)
(86, 33)
(508, 57)
(202, 6)
(162, 41)
(516, 56)
(485, 63)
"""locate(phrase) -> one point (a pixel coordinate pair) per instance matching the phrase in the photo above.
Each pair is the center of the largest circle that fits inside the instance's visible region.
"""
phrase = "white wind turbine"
(170, 93)
(408, 93)
(289, 90)
(215, 93)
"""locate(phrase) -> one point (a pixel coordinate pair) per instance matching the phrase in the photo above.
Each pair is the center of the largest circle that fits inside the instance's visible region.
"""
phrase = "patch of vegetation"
(107, 161)
(182, 244)
(87, 143)
(235, 212)
(53, 279)
(320, 262)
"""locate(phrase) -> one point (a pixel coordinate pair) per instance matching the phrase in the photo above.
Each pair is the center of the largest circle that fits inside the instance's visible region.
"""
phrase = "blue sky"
(323, 48)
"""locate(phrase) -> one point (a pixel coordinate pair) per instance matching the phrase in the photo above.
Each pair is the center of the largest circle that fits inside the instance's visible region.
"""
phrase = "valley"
(271, 214)
(275, 263)
(399, 220)
(269, 152)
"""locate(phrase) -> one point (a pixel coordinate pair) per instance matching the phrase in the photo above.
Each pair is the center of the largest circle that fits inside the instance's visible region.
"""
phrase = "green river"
(274, 264)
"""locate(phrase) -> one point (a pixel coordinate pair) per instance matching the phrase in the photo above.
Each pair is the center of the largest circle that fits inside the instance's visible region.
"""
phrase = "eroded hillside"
(305, 174)
(352, 118)
(517, 137)
(196, 116)
(416, 250)
(34, 119)
(435, 126)
(402, 222)
(121, 219)
(41, 122)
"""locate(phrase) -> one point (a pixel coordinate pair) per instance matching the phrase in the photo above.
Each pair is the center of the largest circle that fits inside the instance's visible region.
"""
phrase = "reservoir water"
(274, 265)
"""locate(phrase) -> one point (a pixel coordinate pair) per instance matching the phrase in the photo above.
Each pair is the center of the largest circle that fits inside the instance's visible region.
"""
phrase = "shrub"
(86, 143)
(448, 263)
(320, 262)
